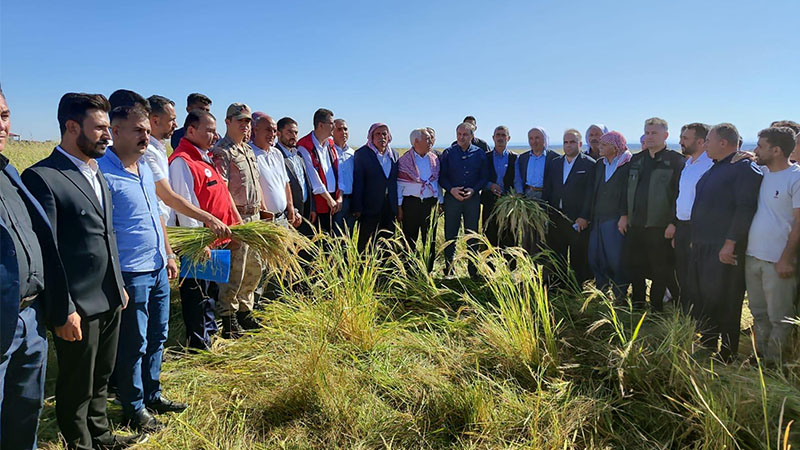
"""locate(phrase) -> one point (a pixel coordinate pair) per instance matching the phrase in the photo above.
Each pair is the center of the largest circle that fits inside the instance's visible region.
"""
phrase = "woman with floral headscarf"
(609, 204)
(374, 201)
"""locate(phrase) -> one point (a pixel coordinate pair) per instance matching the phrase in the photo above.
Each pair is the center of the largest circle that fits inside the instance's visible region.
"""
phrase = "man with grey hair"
(343, 220)
(501, 163)
(593, 135)
(418, 193)
(726, 198)
(649, 225)
(476, 141)
(272, 174)
(462, 175)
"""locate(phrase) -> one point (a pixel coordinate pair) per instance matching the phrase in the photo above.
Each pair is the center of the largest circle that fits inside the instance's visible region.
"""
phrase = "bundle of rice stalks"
(275, 245)
(520, 216)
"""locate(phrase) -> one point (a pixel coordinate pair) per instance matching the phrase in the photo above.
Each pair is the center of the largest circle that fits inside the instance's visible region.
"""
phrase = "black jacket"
(370, 185)
(487, 197)
(609, 197)
(573, 198)
(83, 232)
(296, 186)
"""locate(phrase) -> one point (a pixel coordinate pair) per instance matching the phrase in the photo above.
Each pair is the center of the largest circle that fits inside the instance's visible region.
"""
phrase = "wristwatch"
(172, 256)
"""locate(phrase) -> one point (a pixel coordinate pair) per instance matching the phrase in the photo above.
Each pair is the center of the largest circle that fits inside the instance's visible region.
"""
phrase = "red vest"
(209, 187)
(308, 143)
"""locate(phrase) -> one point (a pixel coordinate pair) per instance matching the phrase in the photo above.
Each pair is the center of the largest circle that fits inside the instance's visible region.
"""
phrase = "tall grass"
(371, 351)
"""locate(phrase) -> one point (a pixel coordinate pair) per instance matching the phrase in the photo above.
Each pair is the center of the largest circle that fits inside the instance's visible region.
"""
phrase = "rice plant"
(276, 246)
(520, 216)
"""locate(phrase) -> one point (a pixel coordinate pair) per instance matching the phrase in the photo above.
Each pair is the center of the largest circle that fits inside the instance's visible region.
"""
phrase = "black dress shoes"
(163, 405)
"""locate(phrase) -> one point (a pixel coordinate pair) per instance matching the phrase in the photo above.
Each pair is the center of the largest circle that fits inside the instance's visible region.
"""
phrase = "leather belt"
(247, 210)
(27, 301)
(534, 189)
(275, 216)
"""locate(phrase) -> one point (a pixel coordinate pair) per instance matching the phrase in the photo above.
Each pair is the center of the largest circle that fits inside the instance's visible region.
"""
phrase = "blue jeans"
(605, 257)
(454, 210)
(143, 332)
(22, 370)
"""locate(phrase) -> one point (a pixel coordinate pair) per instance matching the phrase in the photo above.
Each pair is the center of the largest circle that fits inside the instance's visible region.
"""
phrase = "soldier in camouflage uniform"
(236, 162)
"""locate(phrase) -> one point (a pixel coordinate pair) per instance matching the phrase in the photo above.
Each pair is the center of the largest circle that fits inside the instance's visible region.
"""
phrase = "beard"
(91, 149)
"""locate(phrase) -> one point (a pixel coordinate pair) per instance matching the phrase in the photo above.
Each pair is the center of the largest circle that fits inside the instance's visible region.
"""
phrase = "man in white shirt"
(343, 220)
(322, 168)
(771, 261)
(273, 178)
(693, 139)
(418, 193)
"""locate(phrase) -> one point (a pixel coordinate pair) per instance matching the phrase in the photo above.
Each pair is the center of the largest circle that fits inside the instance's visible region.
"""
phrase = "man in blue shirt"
(501, 164)
(146, 262)
(463, 173)
(726, 198)
(343, 219)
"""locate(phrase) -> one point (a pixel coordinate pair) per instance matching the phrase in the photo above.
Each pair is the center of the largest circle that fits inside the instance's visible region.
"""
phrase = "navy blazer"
(573, 198)
(51, 300)
(84, 235)
(370, 185)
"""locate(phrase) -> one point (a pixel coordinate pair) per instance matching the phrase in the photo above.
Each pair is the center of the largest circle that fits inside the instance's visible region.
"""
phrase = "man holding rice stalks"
(236, 163)
(147, 264)
(192, 176)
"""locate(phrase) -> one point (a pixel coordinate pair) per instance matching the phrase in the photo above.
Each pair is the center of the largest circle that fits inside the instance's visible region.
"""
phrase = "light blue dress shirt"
(500, 166)
(535, 175)
(136, 215)
(346, 169)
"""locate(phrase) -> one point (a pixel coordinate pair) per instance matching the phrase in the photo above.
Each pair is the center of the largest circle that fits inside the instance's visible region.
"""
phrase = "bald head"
(264, 130)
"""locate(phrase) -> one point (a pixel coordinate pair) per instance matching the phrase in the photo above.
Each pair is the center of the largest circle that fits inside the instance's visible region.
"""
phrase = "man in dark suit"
(568, 184)
(74, 194)
(374, 201)
(295, 168)
(25, 235)
(501, 163)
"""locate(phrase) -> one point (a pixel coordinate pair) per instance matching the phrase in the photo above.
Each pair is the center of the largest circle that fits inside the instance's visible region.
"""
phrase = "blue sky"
(412, 63)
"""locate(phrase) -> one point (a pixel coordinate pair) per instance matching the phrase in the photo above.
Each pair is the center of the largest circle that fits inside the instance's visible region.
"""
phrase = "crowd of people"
(84, 250)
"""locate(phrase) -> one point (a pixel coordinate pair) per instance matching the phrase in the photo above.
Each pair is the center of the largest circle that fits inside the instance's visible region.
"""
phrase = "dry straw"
(276, 246)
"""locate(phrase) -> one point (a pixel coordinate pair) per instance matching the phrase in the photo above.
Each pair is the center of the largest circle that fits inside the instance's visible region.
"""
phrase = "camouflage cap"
(238, 111)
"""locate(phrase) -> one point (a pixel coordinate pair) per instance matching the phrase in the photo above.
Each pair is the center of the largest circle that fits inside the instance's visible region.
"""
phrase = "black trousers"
(650, 256)
(370, 226)
(417, 216)
(490, 227)
(198, 309)
(82, 385)
(570, 245)
(683, 234)
(717, 292)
